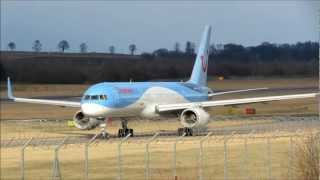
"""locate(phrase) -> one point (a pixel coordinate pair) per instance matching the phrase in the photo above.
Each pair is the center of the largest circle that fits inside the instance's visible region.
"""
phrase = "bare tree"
(193, 48)
(188, 47)
(63, 45)
(37, 46)
(132, 48)
(111, 49)
(83, 48)
(12, 46)
(177, 47)
(212, 49)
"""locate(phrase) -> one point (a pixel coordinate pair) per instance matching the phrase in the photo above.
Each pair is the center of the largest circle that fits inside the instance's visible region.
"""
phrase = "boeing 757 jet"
(187, 101)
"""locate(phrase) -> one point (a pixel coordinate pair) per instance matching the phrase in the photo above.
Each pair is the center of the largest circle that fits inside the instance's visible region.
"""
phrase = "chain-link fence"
(230, 156)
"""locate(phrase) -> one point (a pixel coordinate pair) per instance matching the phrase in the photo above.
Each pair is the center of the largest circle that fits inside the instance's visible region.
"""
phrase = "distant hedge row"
(28, 67)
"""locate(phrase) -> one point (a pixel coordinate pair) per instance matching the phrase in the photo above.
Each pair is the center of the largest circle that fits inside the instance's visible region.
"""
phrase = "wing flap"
(204, 104)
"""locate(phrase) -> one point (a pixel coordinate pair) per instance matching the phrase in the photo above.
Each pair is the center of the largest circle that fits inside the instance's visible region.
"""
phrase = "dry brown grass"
(33, 90)
(103, 159)
(307, 151)
(270, 83)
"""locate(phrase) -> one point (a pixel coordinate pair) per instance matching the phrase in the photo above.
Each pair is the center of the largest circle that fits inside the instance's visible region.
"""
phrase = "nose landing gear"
(104, 133)
(125, 131)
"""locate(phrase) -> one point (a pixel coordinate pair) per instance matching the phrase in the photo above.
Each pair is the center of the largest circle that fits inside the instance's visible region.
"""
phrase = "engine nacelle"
(194, 117)
(83, 122)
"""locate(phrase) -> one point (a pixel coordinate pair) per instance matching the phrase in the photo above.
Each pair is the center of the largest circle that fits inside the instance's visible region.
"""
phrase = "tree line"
(63, 45)
(228, 52)
(266, 59)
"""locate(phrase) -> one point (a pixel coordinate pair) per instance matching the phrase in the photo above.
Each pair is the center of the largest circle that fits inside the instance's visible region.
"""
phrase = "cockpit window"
(87, 97)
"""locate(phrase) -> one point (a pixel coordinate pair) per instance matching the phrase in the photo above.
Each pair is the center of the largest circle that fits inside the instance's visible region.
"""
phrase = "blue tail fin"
(200, 68)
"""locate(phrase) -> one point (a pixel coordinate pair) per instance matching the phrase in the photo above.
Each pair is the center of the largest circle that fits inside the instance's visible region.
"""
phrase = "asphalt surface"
(286, 123)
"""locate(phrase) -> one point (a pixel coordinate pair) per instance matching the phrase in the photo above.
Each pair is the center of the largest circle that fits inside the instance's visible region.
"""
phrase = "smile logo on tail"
(204, 63)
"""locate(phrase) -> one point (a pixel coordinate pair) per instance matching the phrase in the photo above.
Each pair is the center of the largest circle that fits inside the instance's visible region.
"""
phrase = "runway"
(283, 123)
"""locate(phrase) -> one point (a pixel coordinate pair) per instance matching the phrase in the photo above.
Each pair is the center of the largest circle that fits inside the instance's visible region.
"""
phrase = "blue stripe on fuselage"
(122, 94)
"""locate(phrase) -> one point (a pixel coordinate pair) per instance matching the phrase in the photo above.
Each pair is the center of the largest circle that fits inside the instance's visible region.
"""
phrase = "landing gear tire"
(125, 132)
(120, 133)
(187, 131)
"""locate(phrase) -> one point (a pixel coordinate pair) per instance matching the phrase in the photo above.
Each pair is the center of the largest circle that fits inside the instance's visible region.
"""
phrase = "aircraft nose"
(94, 110)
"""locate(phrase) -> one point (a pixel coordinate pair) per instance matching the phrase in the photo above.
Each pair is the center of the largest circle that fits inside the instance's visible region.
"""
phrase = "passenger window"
(87, 97)
(95, 97)
(103, 97)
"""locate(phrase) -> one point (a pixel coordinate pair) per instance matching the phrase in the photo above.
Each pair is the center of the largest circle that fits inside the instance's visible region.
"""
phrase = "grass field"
(258, 161)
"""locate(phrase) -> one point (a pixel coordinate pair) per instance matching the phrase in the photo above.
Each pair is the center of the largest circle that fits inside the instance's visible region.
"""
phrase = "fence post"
(201, 154)
(318, 139)
(290, 157)
(56, 174)
(86, 154)
(174, 162)
(225, 169)
(147, 160)
(119, 156)
(268, 158)
(245, 155)
(22, 157)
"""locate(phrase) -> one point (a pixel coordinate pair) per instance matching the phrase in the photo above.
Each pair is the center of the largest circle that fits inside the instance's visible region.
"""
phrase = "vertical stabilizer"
(200, 68)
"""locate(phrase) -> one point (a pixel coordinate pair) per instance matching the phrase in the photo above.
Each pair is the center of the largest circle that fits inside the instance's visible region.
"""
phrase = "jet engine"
(85, 123)
(194, 117)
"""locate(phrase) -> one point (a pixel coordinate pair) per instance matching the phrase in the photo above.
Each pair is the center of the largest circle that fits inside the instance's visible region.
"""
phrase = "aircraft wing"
(40, 101)
(235, 91)
(204, 104)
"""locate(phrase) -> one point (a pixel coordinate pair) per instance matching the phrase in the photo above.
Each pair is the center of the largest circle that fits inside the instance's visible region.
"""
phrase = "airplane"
(186, 101)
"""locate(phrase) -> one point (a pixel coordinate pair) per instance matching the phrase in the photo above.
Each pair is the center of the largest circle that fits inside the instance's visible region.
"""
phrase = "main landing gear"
(125, 130)
(187, 131)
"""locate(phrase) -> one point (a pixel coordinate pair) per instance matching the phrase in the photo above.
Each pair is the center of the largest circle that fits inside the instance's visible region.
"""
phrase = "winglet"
(10, 95)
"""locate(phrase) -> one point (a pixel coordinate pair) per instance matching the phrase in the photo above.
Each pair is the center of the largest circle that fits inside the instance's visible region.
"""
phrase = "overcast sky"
(155, 24)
